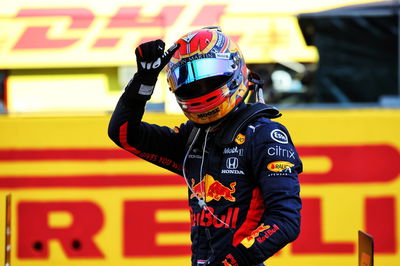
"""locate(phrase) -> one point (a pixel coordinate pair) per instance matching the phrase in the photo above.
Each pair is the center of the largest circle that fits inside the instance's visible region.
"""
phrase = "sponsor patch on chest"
(279, 166)
(232, 164)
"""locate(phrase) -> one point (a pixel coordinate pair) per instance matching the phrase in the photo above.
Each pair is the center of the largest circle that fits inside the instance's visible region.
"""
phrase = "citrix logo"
(279, 151)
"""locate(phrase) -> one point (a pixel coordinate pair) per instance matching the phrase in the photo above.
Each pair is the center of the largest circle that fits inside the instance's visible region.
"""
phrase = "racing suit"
(250, 187)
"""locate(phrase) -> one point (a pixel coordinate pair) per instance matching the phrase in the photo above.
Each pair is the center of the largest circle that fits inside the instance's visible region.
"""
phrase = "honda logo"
(232, 163)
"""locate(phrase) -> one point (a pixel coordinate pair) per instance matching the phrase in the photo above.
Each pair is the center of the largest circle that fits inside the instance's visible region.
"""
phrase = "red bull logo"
(266, 231)
(230, 261)
(210, 218)
(216, 191)
(269, 232)
(197, 189)
(213, 189)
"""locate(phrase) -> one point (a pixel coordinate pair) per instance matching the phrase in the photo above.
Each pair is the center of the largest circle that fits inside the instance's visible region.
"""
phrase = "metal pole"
(7, 244)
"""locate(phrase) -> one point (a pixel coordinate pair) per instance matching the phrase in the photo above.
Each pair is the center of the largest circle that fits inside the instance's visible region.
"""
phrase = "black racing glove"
(151, 59)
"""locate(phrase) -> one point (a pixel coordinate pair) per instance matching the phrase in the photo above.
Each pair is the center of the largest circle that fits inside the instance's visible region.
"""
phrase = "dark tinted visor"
(200, 69)
(201, 87)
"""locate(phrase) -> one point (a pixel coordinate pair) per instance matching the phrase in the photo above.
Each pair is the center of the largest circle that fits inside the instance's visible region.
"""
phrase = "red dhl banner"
(77, 36)
(104, 34)
(101, 205)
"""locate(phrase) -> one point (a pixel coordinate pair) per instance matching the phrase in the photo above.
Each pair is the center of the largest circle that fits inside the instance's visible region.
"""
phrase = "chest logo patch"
(213, 189)
(279, 136)
(240, 139)
(278, 166)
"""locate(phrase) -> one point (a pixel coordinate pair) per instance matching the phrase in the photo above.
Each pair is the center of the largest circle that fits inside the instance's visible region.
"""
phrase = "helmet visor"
(200, 69)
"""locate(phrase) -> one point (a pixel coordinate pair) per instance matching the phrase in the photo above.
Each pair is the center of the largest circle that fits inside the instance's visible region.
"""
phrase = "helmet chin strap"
(255, 83)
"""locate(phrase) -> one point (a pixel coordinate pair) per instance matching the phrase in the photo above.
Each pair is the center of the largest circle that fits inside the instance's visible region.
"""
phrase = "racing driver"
(241, 168)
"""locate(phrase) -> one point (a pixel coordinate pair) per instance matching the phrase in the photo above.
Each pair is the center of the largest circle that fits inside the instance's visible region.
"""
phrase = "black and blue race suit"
(249, 187)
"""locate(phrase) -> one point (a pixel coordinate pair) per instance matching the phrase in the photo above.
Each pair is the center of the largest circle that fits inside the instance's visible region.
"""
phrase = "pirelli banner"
(104, 33)
(79, 200)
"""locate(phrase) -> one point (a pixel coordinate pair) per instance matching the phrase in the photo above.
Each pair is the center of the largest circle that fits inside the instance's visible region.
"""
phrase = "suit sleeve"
(276, 167)
(159, 145)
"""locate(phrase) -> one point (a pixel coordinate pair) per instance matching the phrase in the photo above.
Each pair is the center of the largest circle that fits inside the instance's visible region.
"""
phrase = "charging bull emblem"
(249, 240)
(213, 189)
(198, 189)
(261, 233)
